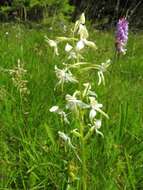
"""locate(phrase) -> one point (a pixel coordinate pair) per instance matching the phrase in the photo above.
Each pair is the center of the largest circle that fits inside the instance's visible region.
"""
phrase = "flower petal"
(92, 114)
(54, 109)
(80, 45)
(68, 47)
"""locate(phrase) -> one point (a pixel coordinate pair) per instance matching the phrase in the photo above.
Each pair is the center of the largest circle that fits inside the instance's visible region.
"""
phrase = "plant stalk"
(83, 158)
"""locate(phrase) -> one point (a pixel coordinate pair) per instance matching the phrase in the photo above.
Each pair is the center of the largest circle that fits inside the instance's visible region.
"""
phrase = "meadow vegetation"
(32, 154)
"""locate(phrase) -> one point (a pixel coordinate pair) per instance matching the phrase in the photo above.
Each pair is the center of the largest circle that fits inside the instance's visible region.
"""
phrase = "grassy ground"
(32, 156)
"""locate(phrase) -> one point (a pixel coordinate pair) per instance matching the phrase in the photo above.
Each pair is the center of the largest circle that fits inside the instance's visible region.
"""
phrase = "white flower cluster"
(88, 104)
(82, 102)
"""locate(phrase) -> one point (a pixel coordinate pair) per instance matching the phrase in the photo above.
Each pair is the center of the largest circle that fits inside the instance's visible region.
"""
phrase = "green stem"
(62, 87)
(83, 157)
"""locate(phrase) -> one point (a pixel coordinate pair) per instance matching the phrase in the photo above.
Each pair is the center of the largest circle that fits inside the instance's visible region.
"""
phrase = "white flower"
(54, 109)
(95, 107)
(73, 103)
(64, 76)
(68, 47)
(82, 31)
(103, 68)
(94, 104)
(92, 114)
(98, 123)
(52, 44)
(57, 110)
(80, 45)
(79, 22)
(96, 126)
(75, 55)
(83, 42)
(72, 55)
(63, 136)
(66, 138)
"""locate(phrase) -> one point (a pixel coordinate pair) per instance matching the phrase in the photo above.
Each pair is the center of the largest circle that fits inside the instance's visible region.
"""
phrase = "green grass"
(32, 156)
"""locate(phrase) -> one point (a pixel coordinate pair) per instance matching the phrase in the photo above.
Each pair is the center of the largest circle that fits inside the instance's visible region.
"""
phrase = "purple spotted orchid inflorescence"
(121, 35)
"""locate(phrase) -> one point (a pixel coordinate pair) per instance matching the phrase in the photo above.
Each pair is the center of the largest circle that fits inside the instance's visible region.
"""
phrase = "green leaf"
(49, 133)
